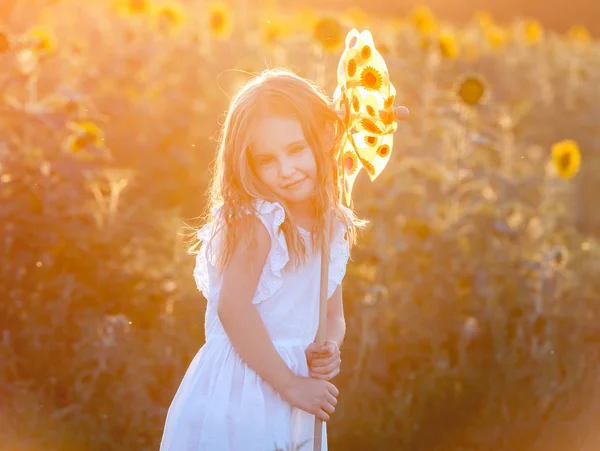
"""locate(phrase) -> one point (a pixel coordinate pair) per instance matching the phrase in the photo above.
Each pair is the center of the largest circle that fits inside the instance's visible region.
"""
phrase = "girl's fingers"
(324, 369)
(401, 112)
(328, 376)
(326, 361)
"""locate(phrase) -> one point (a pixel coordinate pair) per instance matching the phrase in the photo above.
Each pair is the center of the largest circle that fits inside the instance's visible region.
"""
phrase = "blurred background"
(471, 301)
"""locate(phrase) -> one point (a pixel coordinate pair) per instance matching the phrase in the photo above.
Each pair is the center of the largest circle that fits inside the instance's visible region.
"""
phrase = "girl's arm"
(336, 324)
(239, 317)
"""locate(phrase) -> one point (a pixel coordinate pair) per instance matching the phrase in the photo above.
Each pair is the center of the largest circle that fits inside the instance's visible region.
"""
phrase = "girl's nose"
(286, 167)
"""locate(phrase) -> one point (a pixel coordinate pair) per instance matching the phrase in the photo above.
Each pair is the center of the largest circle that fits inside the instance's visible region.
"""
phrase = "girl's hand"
(323, 361)
(312, 396)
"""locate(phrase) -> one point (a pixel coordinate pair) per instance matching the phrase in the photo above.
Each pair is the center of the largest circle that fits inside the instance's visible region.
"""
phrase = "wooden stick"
(322, 329)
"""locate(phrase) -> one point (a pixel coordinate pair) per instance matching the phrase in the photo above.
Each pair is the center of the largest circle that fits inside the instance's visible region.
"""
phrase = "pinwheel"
(364, 98)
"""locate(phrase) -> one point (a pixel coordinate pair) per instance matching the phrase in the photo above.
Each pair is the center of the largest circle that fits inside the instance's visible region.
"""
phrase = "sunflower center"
(217, 21)
(564, 161)
(349, 163)
(366, 52)
(328, 32)
(389, 102)
(383, 150)
(351, 67)
(370, 79)
(137, 5)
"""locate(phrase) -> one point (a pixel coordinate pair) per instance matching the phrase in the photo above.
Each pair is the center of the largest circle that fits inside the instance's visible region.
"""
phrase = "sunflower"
(370, 126)
(566, 158)
(274, 29)
(496, 36)
(350, 163)
(355, 103)
(351, 67)
(533, 31)
(84, 134)
(471, 90)
(448, 45)
(579, 33)
(132, 7)
(42, 39)
(328, 32)
(371, 78)
(383, 150)
(219, 20)
(423, 19)
(368, 166)
(371, 140)
(389, 101)
(372, 104)
(365, 52)
(170, 16)
(137, 6)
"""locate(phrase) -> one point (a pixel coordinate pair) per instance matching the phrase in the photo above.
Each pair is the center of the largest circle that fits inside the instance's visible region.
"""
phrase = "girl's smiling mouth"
(294, 184)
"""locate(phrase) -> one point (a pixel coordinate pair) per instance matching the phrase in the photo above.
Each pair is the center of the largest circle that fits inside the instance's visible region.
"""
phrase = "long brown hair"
(235, 186)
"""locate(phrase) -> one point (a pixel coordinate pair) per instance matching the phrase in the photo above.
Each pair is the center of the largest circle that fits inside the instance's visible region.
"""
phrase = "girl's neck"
(304, 214)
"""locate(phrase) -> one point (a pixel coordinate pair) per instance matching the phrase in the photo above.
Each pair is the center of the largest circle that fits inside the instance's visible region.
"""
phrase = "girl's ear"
(328, 137)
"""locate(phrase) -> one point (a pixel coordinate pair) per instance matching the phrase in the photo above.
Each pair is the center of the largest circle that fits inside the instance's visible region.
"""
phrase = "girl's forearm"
(250, 338)
(336, 329)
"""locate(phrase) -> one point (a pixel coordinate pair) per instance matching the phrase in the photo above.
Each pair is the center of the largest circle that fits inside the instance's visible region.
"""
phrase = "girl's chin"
(300, 196)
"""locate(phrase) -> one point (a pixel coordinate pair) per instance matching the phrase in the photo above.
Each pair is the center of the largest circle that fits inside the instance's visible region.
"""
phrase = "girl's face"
(283, 160)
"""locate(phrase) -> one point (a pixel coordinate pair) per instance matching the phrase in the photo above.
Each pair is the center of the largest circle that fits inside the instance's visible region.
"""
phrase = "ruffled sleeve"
(272, 216)
(204, 271)
(339, 253)
(207, 276)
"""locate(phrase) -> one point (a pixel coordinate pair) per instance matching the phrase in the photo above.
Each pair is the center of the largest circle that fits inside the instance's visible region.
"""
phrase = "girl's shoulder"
(213, 235)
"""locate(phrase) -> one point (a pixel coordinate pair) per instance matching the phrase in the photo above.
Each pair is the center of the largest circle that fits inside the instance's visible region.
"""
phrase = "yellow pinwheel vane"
(364, 96)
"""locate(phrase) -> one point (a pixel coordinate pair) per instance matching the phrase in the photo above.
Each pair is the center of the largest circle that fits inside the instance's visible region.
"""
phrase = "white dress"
(222, 404)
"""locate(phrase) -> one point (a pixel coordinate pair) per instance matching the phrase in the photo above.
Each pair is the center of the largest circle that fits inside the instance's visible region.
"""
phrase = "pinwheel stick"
(400, 112)
(322, 329)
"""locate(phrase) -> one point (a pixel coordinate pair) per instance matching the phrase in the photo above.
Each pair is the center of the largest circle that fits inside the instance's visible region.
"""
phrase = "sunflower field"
(471, 302)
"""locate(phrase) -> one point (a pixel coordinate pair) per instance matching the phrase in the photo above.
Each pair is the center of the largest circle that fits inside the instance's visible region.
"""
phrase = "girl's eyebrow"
(295, 143)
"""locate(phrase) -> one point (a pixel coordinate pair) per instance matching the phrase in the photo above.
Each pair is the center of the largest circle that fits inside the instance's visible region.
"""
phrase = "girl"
(258, 382)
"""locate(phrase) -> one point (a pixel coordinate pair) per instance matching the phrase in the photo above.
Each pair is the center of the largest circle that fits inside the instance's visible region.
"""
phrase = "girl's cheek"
(270, 177)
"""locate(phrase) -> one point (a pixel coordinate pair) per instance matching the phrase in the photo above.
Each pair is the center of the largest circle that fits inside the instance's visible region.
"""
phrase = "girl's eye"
(296, 149)
(266, 161)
